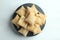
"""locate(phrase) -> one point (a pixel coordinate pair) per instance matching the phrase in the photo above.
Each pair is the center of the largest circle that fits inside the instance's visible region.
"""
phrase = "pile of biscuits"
(30, 19)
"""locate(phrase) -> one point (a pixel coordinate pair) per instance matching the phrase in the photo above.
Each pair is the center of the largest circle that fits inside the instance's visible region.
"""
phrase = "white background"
(52, 27)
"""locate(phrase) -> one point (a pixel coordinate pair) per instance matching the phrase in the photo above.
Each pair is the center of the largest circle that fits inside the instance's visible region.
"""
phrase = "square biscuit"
(21, 11)
(15, 20)
(23, 31)
(21, 22)
(31, 19)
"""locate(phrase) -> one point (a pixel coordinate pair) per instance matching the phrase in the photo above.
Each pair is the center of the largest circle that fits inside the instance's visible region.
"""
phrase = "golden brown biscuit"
(38, 20)
(34, 9)
(43, 17)
(29, 9)
(15, 20)
(37, 29)
(21, 11)
(30, 19)
(23, 31)
(21, 22)
(30, 28)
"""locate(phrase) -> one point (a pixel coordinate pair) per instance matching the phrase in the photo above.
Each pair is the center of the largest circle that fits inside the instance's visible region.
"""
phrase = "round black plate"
(25, 5)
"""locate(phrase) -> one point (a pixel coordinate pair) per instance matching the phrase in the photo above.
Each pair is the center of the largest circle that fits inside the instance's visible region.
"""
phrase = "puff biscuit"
(30, 19)
(21, 11)
(21, 22)
(15, 20)
(23, 31)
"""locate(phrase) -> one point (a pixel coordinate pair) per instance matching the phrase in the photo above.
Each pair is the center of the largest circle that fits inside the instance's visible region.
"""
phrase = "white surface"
(52, 27)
